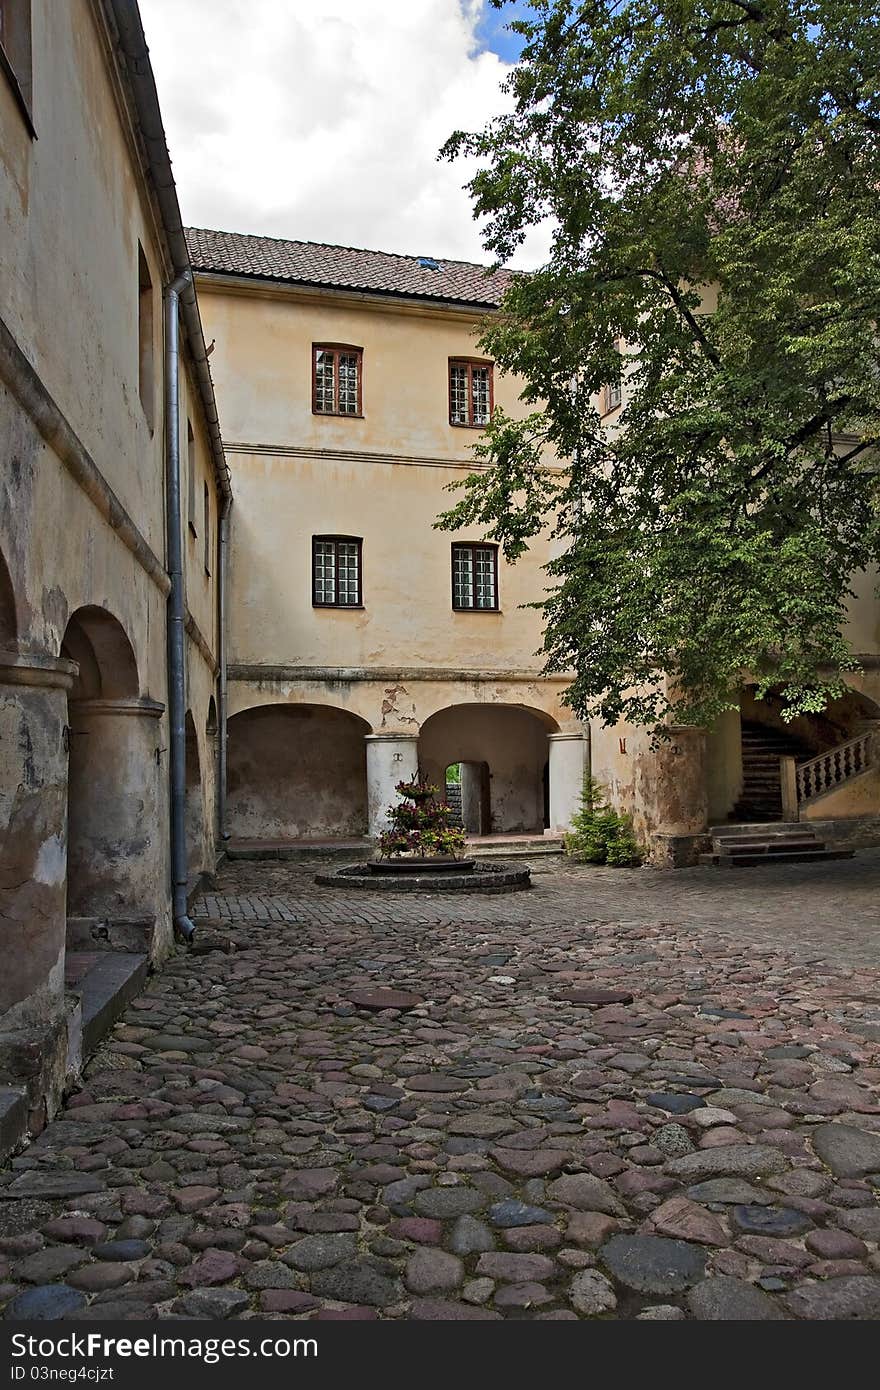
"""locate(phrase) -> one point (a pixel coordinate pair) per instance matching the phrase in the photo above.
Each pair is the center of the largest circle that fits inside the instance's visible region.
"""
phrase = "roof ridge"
(339, 246)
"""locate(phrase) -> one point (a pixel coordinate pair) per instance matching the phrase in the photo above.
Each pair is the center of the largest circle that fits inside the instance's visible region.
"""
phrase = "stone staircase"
(762, 747)
(775, 842)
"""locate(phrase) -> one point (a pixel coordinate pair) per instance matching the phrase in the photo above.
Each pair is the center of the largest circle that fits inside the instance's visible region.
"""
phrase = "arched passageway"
(114, 841)
(502, 751)
(296, 772)
(195, 803)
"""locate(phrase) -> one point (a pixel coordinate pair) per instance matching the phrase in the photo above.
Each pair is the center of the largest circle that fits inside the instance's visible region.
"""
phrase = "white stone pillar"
(568, 763)
(117, 840)
(391, 758)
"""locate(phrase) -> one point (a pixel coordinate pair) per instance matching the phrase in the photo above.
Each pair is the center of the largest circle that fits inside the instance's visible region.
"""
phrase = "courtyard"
(623, 1094)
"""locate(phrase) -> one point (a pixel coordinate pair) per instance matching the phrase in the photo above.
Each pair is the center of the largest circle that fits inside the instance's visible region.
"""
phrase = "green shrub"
(599, 834)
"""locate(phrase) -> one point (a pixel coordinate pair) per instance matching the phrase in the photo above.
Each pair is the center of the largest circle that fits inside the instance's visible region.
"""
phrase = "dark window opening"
(470, 393)
(191, 465)
(337, 375)
(474, 577)
(337, 580)
(146, 354)
(207, 539)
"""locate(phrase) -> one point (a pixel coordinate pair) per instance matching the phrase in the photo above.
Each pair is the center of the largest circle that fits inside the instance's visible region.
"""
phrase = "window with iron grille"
(337, 572)
(612, 396)
(337, 380)
(474, 577)
(470, 392)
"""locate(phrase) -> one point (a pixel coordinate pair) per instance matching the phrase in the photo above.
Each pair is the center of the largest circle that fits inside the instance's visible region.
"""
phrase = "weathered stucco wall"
(724, 771)
(82, 516)
(296, 771)
(859, 797)
(663, 786)
(381, 477)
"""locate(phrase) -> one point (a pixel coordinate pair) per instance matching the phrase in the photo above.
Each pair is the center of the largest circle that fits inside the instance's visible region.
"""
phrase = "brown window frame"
(206, 512)
(470, 363)
(336, 349)
(335, 540)
(146, 331)
(473, 547)
(191, 478)
(612, 395)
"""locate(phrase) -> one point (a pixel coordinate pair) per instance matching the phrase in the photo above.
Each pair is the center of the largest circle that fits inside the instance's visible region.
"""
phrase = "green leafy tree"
(601, 835)
(710, 170)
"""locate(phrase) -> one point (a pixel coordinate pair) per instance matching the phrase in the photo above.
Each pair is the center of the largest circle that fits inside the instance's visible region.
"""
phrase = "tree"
(710, 169)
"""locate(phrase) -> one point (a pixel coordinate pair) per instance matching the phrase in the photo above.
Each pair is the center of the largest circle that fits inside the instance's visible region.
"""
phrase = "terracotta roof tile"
(343, 267)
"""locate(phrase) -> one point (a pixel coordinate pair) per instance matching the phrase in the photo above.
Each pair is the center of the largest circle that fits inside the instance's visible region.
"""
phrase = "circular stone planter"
(435, 865)
(466, 877)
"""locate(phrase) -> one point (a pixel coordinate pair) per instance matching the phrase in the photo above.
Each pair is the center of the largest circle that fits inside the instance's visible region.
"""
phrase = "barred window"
(336, 380)
(612, 395)
(336, 572)
(474, 577)
(470, 392)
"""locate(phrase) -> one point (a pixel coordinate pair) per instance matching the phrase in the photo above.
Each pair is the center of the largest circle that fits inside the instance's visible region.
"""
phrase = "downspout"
(183, 925)
(222, 705)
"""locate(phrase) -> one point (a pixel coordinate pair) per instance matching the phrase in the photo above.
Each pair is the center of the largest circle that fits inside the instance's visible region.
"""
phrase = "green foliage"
(710, 530)
(600, 835)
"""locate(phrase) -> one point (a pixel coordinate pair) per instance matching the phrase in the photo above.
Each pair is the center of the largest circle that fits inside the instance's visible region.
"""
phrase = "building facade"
(363, 642)
(91, 237)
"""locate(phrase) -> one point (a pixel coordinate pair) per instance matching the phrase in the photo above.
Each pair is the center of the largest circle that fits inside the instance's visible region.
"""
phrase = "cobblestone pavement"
(623, 1095)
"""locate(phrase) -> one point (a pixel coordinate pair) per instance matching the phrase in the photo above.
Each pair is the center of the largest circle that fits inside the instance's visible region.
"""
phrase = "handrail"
(833, 767)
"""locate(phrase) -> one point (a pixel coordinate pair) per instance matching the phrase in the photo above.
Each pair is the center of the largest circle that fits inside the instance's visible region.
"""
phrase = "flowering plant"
(419, 825)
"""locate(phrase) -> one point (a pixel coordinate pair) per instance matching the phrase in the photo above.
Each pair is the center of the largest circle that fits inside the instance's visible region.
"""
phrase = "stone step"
(517, 849)
(299, 851)
(759, 829)
(538, 851)
(752, 860)
(13, 1119)
(745, 845)
(106, 981)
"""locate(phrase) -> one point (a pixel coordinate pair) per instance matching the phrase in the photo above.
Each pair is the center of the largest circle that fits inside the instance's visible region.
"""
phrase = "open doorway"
(468, 792)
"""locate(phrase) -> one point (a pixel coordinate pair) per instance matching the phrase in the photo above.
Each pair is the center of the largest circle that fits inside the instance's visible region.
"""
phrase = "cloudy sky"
(323, 121)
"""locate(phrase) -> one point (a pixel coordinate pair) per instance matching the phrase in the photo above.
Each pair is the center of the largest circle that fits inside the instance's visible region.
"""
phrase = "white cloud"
(323, 121)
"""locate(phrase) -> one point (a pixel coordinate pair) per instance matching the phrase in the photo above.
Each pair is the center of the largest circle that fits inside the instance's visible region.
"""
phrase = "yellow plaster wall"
(382, 478)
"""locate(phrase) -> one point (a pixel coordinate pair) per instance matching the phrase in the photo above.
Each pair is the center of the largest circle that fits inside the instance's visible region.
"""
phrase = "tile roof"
(343, 267)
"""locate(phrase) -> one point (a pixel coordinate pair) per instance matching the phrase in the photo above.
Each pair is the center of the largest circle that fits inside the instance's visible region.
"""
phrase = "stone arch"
(8, 615)
(99, 644)
(296, 771)
(211, 726)
(114, 843)
(503, 751)
(194, 818)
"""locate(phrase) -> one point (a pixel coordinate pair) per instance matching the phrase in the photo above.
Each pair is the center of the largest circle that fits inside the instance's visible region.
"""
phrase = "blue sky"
(493, 35)
(324, 122)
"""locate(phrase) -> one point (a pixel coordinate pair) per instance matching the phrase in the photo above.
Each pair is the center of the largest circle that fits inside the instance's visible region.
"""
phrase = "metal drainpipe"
(183, 925)
(222, 582)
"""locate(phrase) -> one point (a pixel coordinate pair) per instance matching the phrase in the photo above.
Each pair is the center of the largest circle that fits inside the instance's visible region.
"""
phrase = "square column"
(568, 766)
(117, 849)
(391, 758)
